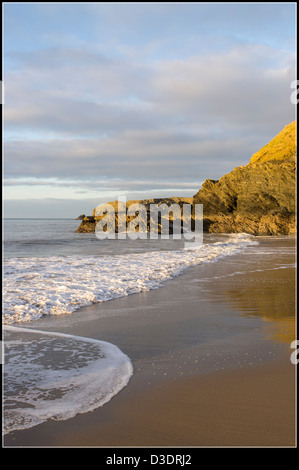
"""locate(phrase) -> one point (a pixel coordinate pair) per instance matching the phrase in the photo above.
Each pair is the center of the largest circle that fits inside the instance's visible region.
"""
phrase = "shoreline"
(223, 409)
(211, 361)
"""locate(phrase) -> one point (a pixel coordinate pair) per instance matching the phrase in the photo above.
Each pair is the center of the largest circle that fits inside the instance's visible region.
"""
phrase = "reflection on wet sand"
(270, 295)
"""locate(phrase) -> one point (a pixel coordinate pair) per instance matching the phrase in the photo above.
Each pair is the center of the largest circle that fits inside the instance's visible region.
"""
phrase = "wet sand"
(211, 356)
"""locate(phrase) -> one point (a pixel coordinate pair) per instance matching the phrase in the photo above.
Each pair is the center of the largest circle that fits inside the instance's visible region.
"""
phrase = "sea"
(49, 270)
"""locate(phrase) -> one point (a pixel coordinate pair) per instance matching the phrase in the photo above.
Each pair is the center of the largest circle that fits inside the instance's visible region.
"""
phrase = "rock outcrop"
(258, 198)
(87, 225)
(89, 222)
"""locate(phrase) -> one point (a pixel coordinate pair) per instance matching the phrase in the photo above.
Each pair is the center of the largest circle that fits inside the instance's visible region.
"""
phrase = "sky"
(140, 100)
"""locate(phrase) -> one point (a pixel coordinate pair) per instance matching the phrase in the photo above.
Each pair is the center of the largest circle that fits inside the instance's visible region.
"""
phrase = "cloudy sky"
(137, 99)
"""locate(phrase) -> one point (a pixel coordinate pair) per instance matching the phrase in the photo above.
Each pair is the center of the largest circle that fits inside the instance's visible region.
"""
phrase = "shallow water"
(51, 273)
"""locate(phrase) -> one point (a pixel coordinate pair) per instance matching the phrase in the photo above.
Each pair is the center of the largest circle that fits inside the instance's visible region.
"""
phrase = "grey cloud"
(198, 116)
(248, 85)
(111, 184)
(156, 155)
(67, 73)
(58, 57)
(69, 117)
(225, 88)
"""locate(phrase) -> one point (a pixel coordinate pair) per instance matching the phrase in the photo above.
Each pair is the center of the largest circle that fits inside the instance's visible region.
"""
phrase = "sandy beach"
(211, 357)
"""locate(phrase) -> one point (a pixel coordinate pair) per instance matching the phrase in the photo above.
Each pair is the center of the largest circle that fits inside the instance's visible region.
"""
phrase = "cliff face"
(258, 198)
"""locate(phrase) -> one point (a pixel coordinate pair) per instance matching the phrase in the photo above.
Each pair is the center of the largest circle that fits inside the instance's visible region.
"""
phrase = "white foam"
(55, 285)
(56, 376)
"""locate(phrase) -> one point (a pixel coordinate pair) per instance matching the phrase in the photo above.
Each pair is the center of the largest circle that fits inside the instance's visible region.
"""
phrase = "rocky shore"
(89, 222)
(258, 198)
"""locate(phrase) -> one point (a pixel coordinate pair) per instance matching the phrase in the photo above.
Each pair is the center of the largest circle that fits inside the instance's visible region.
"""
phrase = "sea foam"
(56, 376)
(33, 287)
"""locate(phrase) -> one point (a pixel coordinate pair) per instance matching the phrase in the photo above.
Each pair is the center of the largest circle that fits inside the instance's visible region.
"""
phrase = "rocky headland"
(258, 198)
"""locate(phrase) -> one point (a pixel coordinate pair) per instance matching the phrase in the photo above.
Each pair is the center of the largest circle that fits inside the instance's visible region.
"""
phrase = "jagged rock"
(87, 225)
(258, 198)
